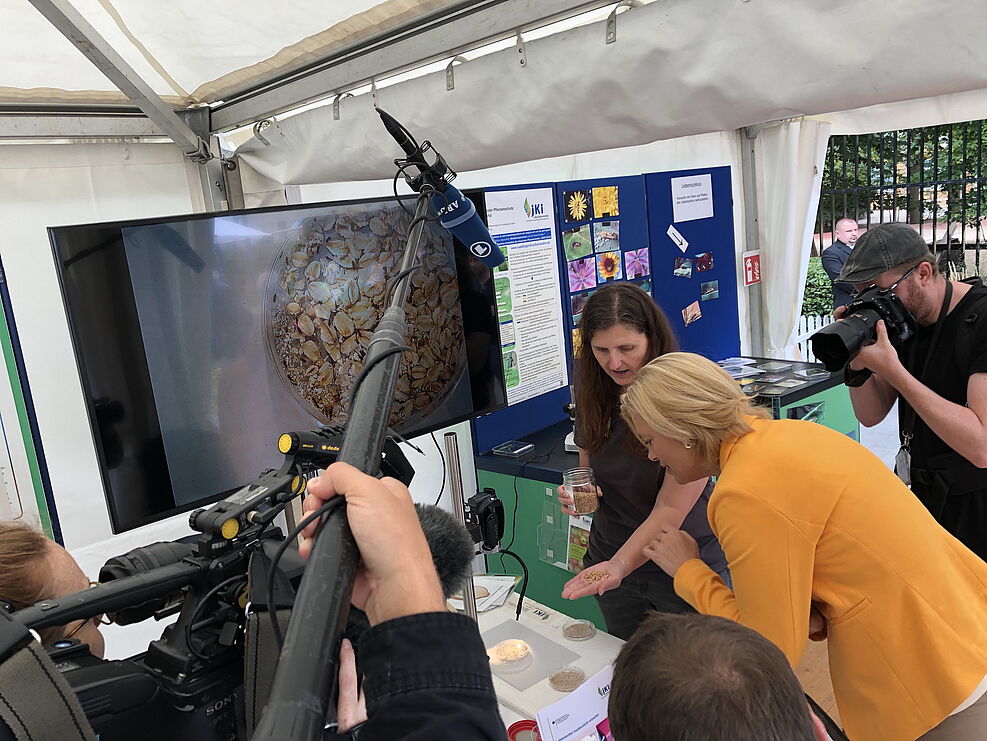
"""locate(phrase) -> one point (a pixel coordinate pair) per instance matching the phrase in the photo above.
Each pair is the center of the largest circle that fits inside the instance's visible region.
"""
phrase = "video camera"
(838, 343)
(190, 682)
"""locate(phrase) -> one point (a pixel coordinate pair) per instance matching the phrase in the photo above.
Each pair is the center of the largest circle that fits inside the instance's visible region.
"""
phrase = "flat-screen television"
(200, 339)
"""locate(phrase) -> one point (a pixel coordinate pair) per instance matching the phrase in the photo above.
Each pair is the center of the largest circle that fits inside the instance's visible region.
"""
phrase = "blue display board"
(603, 238)
(704, 274)
(617, 229)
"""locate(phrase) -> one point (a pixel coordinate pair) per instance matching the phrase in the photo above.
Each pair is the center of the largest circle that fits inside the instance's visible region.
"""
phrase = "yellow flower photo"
(608, 266)
(578, 204)
(605, 202)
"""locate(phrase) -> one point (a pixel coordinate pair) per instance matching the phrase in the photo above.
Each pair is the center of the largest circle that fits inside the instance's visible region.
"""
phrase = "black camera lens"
(836, 344)
(141, 561)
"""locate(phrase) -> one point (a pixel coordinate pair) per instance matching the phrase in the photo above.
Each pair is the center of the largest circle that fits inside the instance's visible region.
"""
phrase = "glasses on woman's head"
(855, 294)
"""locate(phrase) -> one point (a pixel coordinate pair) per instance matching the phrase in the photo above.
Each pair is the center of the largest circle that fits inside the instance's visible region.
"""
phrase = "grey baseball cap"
(881, 248)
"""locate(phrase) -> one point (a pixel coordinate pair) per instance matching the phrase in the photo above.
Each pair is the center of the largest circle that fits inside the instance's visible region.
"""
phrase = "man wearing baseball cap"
(938, 377)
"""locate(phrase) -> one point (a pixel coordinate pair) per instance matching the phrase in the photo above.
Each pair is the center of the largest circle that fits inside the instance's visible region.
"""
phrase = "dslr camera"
(838, 343)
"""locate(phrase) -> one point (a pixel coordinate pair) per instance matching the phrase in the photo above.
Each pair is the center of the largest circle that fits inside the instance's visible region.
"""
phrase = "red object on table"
(524, 730)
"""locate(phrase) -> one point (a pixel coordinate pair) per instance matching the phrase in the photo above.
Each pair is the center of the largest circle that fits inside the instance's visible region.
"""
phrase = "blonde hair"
(691, 400)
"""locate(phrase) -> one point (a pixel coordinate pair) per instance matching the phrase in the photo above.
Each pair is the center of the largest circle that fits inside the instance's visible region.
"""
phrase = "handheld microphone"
(458, 216)
(456, 212)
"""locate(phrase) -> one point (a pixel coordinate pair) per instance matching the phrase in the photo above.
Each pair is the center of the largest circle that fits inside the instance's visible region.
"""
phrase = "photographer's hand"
(397, 576)
(879, 356)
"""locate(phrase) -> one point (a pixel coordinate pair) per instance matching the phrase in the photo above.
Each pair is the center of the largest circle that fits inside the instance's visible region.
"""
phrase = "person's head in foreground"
(682, 407)
(705, 678)
(35, 569)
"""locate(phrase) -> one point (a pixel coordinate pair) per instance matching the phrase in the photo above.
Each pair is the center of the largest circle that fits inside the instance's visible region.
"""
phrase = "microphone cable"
(190, 626)
(524, 581)
(443, 458)
(272, 570)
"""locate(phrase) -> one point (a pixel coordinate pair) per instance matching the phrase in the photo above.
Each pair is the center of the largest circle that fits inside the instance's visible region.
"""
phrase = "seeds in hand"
(595, 575)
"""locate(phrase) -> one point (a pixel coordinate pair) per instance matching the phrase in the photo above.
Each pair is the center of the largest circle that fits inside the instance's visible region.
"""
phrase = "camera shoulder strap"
(908, 417)
(35, 700)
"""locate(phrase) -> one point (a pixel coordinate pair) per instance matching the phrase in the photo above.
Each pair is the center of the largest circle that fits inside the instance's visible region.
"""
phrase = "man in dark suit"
(835, 256)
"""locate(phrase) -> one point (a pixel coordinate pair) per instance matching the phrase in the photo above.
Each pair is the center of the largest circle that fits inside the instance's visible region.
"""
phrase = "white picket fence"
(808, 326)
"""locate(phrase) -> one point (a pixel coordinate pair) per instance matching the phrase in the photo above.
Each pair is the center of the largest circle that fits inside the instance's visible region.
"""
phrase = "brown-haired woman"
(622, 329)
(34, 569)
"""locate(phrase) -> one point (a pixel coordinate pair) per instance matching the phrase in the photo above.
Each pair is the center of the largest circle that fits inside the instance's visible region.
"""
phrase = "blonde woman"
(807, 517)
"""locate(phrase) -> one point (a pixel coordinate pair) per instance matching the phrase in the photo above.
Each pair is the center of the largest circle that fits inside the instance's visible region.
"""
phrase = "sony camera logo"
(219, 705)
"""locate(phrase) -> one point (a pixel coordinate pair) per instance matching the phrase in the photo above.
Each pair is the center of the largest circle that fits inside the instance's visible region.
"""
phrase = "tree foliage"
(818, 299)
(936, 173)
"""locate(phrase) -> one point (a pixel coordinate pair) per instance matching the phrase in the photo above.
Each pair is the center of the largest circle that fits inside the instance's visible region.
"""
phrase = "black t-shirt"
(960, 351)
(630, 485)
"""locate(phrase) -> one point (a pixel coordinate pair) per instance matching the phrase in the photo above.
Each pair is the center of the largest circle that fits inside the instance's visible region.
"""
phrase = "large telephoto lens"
(838, 343)
(140, 561)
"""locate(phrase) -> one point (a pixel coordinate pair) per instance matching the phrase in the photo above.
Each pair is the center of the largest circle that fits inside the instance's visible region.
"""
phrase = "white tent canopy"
(188, 51)
(678, 68)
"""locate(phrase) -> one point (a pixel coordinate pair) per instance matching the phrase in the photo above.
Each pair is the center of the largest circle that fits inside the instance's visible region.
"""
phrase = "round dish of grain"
(567, 679)
(512, 654)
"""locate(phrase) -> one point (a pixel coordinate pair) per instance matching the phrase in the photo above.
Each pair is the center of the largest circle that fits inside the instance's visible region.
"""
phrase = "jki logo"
(533, 209)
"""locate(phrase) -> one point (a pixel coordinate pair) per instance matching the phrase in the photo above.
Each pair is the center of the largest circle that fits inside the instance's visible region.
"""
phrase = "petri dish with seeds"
(567, 678)
(510, 655)
(579, 630)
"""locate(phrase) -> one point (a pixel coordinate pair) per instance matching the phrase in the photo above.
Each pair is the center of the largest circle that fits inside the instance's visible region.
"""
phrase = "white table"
(594, 654)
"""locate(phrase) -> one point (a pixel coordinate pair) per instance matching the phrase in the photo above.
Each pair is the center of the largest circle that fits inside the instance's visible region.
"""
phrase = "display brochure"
(582, 714)
(528, 290)
(490, 590)
(578, 540)
(737, 361)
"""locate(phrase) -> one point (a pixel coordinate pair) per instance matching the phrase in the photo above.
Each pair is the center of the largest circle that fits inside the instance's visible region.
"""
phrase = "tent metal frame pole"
(748, 165)
(86, 39)
(468, 26)
(215, 172)
(42, 126)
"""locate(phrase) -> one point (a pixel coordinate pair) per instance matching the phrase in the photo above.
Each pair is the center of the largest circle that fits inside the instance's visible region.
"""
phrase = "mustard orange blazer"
(805, 514)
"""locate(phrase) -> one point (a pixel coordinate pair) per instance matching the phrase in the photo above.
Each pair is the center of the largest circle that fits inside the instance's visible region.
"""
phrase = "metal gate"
(933, 178)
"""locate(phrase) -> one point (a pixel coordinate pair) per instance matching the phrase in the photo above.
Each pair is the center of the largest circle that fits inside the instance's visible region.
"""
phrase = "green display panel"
(831, 408)
(538, 541)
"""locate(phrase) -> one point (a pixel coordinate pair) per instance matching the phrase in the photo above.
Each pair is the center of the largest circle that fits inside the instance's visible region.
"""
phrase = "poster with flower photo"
(582, 274)
(637, 264)
(605, 202)
(608, 267)
(577, 205)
